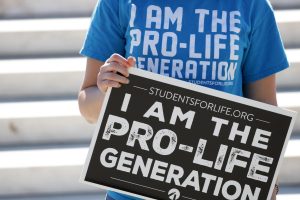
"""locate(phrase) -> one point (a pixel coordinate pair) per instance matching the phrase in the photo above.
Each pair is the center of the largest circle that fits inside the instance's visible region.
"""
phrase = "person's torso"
(202, 42)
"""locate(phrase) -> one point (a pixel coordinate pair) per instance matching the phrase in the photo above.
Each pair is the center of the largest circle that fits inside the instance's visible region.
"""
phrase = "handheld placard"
(162, 138)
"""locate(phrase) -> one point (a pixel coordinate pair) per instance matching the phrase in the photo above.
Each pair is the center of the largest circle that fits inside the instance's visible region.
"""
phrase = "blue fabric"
(221, 44)
(118, 196)
(108, 197)
(241, 46)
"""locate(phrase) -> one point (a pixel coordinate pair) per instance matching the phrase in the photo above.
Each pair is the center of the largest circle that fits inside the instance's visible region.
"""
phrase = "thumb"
(131, 60)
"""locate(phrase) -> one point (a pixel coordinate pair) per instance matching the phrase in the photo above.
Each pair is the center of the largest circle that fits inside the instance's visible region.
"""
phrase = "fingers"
(114, 67)
(119, 59)
(114, 72)
(131, 60)
(115, 77)
(111, 80)
(107, 78)
(108, 83)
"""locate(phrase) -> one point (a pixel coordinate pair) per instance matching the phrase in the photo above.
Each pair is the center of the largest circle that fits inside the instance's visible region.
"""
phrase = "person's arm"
(263, 90)
(98, 77)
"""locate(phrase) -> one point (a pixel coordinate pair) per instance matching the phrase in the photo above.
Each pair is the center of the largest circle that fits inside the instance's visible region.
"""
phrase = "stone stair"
(43, 139)
(42, 37)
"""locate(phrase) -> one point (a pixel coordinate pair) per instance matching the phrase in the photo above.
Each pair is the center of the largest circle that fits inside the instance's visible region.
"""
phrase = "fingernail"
(131, 60)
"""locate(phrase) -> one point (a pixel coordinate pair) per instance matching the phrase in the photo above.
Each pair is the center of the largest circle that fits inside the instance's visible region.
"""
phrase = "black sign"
(161, 138)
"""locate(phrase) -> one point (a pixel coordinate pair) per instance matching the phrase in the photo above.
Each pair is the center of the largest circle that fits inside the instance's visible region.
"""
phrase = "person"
(229, 45)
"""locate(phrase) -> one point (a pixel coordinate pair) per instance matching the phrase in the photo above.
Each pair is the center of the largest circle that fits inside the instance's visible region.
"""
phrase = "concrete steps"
(12, 9)
(101, 196)
(56, 37)
(288, 196)
(45, 8)
(289, 79)
(62, 77)
(285, 4)
(291, 101)
(289, 26)
(45, 122)
(50, 122)
(57, 170)
(80, 196)
(42, 171)
(43, 139)
(289, 173)
(41, 37)
(41, 78)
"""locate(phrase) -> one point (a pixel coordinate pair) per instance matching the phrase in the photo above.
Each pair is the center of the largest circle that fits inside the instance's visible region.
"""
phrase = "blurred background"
(43, 139)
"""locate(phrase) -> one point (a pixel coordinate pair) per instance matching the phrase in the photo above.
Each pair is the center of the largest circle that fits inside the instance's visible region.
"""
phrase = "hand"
(114, 72)
(275, 192)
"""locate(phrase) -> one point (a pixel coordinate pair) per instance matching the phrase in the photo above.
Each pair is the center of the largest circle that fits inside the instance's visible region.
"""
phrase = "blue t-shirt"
(221, 44)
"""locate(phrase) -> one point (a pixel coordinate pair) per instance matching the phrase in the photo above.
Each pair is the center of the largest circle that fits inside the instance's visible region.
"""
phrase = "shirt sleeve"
(104, 36)
(265, 55)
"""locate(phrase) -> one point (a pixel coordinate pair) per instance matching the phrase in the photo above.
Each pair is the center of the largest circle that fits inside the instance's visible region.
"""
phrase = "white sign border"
(196, 88)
